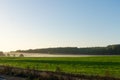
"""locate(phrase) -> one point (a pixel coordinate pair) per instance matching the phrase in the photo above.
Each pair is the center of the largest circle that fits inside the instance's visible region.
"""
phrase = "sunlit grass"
(80, 65)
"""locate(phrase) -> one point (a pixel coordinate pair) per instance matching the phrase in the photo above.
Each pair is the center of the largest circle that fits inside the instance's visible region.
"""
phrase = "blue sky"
(28, 24)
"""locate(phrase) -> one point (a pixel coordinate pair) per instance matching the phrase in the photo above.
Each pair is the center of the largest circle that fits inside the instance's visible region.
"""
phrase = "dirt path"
(6, 77)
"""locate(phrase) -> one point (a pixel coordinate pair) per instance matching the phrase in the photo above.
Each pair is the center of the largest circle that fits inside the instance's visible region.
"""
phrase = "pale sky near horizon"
(30, 24)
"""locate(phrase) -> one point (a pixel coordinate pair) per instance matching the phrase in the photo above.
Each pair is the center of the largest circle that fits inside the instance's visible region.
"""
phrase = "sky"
(30, 24)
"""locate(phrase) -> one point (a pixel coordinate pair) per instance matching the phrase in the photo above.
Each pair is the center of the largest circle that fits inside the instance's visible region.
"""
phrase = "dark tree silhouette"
(2, 54)
(21, 55)
(109, 50)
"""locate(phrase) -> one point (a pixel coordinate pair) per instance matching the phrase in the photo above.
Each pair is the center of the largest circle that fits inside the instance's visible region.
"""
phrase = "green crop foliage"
(97, 65)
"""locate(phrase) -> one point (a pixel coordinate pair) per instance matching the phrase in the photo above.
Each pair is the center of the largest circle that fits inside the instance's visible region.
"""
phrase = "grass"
(104, 65)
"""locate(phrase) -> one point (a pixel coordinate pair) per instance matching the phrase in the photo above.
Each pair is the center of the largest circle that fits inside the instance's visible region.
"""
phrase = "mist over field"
(51, 55)
(44, 55)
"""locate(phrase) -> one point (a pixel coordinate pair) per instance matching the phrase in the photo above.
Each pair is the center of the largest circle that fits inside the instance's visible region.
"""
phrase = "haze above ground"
(30, 24)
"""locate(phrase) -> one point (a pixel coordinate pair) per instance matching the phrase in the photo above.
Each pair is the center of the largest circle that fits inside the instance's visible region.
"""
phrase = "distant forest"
(109, 50)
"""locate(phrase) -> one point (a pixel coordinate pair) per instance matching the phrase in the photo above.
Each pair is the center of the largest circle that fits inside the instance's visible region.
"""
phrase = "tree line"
(109, 50)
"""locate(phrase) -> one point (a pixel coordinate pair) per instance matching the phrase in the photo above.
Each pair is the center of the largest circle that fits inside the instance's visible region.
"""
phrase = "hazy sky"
(28, 24)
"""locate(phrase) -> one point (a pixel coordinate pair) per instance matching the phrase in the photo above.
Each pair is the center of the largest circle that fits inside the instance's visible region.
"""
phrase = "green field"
(104, 65)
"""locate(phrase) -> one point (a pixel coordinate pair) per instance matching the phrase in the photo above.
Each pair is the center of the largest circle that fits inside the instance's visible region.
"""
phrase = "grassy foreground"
(104, 65)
